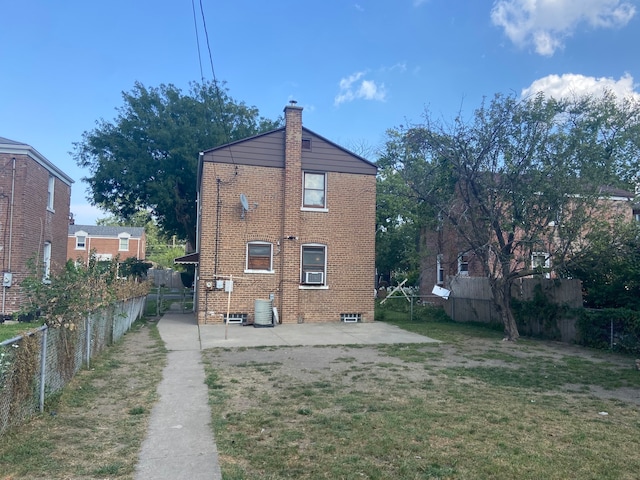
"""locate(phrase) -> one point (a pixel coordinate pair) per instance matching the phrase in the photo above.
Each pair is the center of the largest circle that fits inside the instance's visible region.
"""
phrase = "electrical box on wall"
(7, 278)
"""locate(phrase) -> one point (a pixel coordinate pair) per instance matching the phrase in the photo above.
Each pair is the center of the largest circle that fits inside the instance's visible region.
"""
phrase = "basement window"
(235, 318)
(350, 317)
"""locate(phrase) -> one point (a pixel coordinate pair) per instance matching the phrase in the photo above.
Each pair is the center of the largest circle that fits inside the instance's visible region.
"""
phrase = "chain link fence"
(38, 364)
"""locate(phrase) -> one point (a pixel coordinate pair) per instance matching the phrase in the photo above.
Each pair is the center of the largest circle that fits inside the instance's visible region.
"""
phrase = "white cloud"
(572, 85)
(355, 87)
(545, 24)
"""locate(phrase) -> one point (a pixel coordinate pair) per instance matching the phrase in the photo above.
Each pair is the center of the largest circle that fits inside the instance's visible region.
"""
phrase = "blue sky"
(357, 67)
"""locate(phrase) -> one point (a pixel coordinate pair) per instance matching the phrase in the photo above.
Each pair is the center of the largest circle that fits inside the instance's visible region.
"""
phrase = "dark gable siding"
(326, 156)
(265, 150)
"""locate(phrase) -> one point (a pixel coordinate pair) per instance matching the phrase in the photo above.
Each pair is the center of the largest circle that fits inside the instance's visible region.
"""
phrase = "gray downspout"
(13, 186)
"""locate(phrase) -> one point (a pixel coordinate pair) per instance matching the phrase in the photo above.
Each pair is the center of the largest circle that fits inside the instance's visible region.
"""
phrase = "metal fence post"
(611, 334)
(43, 365)
(88, 341)
(411, 307)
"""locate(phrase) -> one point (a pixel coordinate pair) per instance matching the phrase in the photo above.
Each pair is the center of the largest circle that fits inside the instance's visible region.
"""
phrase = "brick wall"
(105, 246)
(447, 243)
(33, 223)
(347, 229)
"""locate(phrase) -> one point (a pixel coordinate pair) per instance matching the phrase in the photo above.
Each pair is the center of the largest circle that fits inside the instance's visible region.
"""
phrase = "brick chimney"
(292, 202)
(293, 135)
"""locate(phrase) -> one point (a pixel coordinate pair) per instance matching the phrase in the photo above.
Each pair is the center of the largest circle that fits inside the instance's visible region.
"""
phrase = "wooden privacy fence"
(166, 278)
(471, 301)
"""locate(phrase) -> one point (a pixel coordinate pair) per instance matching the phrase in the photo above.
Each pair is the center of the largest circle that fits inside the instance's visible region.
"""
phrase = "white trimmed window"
(81, 240)
(540, 261)
(46, 262)
(315, 186)
(463, 264)
(439, 270)
(50, 190)
(259, 257)
(314, 265)
(123, 242)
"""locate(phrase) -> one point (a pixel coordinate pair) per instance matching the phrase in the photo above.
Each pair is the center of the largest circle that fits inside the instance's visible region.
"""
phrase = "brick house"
(290, 216)
(106, 242)
(34, 215)
(444, 258)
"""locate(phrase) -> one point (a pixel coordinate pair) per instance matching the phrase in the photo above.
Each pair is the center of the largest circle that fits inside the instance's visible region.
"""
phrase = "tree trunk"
(501, 290)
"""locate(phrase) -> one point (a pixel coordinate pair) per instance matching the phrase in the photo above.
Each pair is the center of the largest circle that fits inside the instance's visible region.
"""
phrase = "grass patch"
(472, 407)
(11, 330)
(100, 416)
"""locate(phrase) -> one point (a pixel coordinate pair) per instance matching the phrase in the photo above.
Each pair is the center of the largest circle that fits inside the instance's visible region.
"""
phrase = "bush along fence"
(617, 329)
(40, 363)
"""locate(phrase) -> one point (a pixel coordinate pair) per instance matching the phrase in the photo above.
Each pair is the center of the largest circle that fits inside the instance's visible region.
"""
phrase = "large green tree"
(609, 266)
(146, 159)
(517, 177)
(400, 219)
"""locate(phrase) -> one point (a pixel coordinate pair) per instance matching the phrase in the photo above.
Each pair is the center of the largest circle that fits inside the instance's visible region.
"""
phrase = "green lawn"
(470, 407)
(10, 330)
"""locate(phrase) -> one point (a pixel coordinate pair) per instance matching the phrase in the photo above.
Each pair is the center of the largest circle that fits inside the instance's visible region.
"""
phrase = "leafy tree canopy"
(146, 159)
(518, 177)
(609, 266)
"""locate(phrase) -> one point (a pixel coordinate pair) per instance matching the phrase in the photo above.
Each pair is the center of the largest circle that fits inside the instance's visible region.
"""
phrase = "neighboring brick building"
(34, 215)
(291, 216)
(106, 242)
(443, 256)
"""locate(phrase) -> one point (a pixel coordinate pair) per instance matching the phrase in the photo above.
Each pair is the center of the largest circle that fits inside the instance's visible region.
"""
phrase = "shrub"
(72, 292)
(610, 327)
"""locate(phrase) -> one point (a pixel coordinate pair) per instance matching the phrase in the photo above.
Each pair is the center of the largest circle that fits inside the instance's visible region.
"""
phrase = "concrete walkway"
(179, 443)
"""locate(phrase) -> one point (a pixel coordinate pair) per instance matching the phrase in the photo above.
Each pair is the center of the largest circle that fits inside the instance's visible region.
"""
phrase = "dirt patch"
(469, 408)
(559, 364)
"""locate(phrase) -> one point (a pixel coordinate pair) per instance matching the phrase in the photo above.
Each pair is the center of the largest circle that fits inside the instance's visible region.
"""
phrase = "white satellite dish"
(244, 201)
(245, 204)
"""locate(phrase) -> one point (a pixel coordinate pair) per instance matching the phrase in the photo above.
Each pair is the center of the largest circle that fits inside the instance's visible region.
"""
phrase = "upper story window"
(440, 270)
(259, 257)
(314, 265)
(306, 144)
(50, 191)
(123, 242)
(540, 261)
(315, 186)
(81, 241)
(463, 264)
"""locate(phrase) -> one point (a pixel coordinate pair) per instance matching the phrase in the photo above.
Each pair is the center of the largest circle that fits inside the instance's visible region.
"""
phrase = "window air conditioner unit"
(314, 278)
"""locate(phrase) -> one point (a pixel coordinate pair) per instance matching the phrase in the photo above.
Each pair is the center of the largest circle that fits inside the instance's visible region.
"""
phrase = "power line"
(195, 26)
(218, 95)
